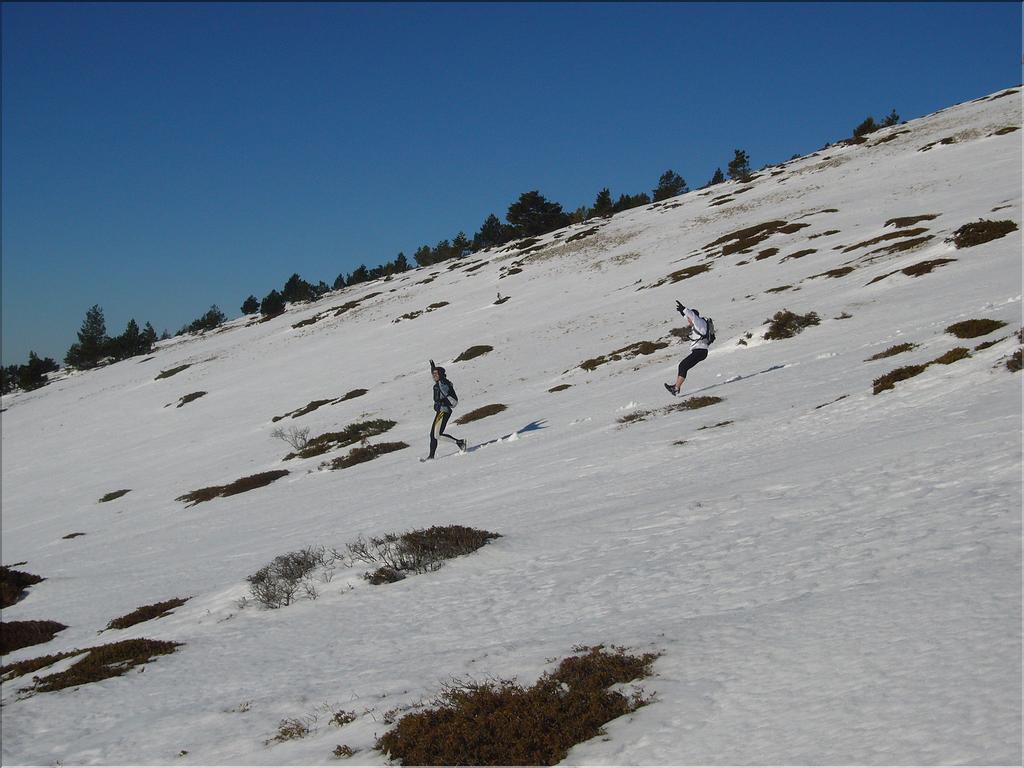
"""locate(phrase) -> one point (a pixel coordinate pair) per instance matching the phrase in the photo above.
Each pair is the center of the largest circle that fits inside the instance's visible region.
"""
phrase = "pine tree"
(401, 263)
(533, 214)
(424, 256)
(339, 282)
(359, 275)
(603, 205)
(739, 166)
(149, 337)
(460, 245)
(625, 202)
(250, 306)
(669, 185)
(296, 290)
(92, 340)
(272, 304)
(718, 178)
(866, 127)
(892, 119)
(492, 232)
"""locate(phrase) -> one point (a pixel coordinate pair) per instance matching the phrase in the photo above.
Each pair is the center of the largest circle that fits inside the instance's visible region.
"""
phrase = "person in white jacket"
(698, 338)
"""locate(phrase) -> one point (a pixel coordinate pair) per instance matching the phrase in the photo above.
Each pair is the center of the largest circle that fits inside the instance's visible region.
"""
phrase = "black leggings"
(691, 360)
(437, 430)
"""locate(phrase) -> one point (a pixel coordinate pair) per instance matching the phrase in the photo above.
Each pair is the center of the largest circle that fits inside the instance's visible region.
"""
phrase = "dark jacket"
(444, 396)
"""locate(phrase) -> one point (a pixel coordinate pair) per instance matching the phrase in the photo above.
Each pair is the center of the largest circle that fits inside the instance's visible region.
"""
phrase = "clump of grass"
(633, 350)
(475, 351)
(637, 415)
(105, 661)
(559, 387)
(146, 613)
(800, 254)
(766, 253)
(113, 495)
(1014, 361)
(363, 453)
(185, 400)
(583, 234)
(351, 395)
(970, 329)
(982, 231)
(897, 349)
(22, 634)
(238, 486)
(28, 666)
(13, 585)
(688, 272)
(924, 267)
(504, 723)
(715, 426)
(959, 353)
(353, 433)
(889, 380)
(342, 718)
(745, 239)
(785, 324)
(481, 413)
(909, 221)
(903, 245)
(74, 535)
(172, 371)
(308, 408)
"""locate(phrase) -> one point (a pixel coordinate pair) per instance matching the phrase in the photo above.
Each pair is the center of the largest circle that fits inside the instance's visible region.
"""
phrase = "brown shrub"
(512, 271)
(22, 634)
(693, 403)
(583, 234)
(477, 351)
(289, 729)
(888, 381)
(114, 495)
(1014, 361)
(74, 535)
(309, 408)
(418, 551)
(982, 231)
(780, 289)
(503, 723)
(744, 239)
(959, 353)
(909, 221)
(766, 253)
(351, 395)
(343, 751)
(171, 372)
(105, 661)
(894, 350)
(364, 453)
(688, 272)
(13, 585)
(970, 329)
(147, 612)
(480, 413)
(28, 666)
(238, 486)
(785, 324)
(715, 426)
(351, 434)
(1006, 130)
(559, 387)
(924, 267)
(987, 344)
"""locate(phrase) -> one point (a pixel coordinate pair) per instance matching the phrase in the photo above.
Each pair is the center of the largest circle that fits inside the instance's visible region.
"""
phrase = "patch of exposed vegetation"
(823, 234)
(475, 351)
(113, 495)
(841, 397)
(146, 613)
(909, 221)
(987, 344)
(840, 272)
(231, 489)
(715, 426)
(289, 729)
(1014, 361)
(693, 403)
(897, 349)
(982, 231)
(785, 324)
(421, 551)
(958, 353)
(583, 234)
(626, 353)
(353, 433)
(363, 453)
(744, 239)
(945, 142)
(915, 270)
(74, 535)
(766, 253)
(475, 267)
(28, 666)
(186, 399)
(351, 395)
(1001, 95)
(887, 236)
(683, 274)
(889, 380)
(780, 289)
(559, 387)
(172, 371)
(1006, 130)
(414, 315)
(22, 634)
(13, 585)
(510, 271)
(480, 413)
(800, 254)
(502, 723)
(100, 663)
(971, 329)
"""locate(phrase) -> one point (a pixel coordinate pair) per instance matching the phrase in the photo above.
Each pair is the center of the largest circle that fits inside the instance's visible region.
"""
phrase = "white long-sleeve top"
(699, 331)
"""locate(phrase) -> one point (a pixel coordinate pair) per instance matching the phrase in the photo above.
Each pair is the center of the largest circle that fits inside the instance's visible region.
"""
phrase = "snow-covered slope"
(831, 576)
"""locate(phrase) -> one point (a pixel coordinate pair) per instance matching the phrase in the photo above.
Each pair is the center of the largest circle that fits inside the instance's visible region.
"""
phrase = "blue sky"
(160, 158)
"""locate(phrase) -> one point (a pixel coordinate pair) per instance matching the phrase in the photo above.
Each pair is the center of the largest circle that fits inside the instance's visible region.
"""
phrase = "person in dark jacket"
(445, 400)
(698, 338)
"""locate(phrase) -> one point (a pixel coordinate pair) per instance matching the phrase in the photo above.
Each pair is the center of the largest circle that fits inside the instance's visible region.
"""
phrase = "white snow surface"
(825, 585)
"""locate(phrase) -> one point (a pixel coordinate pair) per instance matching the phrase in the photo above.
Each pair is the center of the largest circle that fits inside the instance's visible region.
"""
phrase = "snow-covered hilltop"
(830, 575)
